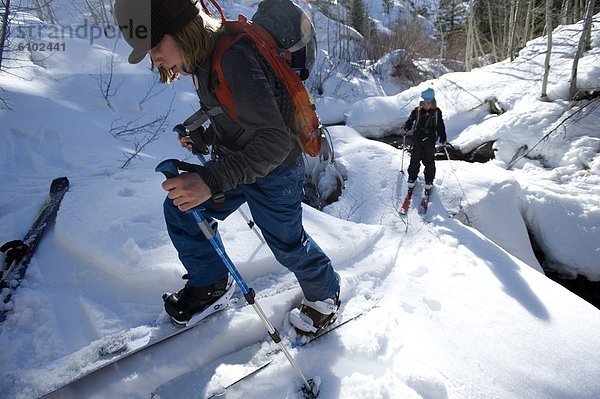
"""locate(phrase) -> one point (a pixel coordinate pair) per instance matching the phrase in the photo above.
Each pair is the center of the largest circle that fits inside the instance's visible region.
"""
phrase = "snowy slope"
(462, 312)
(556, 184)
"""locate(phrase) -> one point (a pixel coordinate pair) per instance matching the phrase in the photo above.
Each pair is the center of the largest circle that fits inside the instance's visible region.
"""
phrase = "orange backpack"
(307, 126)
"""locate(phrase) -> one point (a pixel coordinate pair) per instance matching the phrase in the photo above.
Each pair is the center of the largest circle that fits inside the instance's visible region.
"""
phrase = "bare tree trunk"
(470, 35)
(565, 9)
(4, 29)
(582, 46)
(575, 11)
(40, 11)
(528, 33)
(494, 49)
(105, 18)
(328, 36)
(442, 45)
(514, 14)
(505, 33)
(477, 42)
(587, 44)
(92, 12)
(511, 23)
(49, 13)
(549, 28)
(533, 33)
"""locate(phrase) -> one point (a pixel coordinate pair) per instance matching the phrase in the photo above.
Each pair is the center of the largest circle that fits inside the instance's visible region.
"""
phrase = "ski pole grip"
(168, 168)
(197, 143)
(180, 130)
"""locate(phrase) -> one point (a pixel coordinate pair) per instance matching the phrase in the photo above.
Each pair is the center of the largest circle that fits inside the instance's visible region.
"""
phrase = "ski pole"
(454, 172)
(169, 169)
(181, 132)
(447, 155)
(403, 150)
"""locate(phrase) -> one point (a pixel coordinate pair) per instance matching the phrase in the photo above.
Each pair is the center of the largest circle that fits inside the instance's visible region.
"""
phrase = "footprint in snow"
(428, 388)
(433, 305)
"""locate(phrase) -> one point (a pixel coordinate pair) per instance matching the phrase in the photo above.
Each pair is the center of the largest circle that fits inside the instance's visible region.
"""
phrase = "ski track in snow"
(383, 257)
(362, 275)
(358, 281)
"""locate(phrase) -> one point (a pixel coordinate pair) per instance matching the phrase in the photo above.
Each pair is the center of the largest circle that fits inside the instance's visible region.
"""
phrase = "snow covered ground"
(556, 186)
(461, 311)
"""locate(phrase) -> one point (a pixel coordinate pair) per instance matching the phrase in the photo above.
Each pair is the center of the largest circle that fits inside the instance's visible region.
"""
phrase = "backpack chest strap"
(200, 117)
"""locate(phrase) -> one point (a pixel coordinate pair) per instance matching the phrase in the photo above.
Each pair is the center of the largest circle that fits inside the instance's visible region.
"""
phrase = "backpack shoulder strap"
(219, 83)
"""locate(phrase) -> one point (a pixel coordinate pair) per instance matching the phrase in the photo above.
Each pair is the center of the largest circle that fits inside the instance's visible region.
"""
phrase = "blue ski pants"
(275, 203)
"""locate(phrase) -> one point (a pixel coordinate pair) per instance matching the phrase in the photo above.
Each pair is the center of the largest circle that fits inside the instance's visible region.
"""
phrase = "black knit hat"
(143, 23)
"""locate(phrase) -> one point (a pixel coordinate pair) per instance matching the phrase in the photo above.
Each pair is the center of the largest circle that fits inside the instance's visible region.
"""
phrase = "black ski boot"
(312, 317)
(428, 187)
(192, 304)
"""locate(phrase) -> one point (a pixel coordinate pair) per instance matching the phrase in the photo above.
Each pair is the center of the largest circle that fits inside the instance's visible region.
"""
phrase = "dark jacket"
(260, 141)
(429, 125)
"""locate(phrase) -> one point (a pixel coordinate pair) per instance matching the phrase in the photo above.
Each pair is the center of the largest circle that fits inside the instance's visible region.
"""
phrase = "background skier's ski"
(424, 202)
(406, 203)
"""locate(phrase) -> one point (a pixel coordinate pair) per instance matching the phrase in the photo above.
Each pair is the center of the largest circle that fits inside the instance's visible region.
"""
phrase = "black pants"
(425, 153)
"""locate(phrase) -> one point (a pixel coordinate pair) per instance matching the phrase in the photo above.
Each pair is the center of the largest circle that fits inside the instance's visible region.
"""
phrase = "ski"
(191, 383)
(110, 350)
(297, 344)
(424, 202)
(302, 340)
(19, 252)
(406, 202)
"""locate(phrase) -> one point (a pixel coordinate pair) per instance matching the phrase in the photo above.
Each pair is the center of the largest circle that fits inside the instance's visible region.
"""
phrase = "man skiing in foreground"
(256, 161)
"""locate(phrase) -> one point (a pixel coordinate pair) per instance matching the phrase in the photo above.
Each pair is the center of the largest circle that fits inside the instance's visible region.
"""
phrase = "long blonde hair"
(432, 102)
(196, 41)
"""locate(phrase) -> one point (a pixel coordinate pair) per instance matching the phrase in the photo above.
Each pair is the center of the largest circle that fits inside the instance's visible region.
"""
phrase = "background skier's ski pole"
(169, 169)
(403, 150)
(182, 132)
(454, 172)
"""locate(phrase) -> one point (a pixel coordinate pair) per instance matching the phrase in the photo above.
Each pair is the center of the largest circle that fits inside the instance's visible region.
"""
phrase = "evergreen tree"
(388, 5)
(358, 16)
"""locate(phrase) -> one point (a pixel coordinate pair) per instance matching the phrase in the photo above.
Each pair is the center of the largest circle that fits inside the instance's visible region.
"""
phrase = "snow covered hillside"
(555, 187)
(458, 311)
